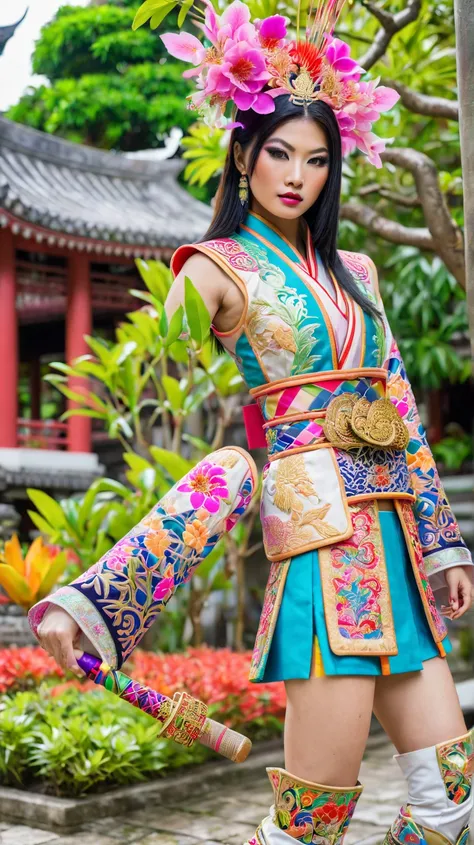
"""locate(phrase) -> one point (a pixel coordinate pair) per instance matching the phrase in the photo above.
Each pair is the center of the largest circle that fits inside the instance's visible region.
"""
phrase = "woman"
(355, 521)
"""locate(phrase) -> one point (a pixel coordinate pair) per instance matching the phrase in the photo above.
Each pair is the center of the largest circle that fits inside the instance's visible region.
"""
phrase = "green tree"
(109, 86)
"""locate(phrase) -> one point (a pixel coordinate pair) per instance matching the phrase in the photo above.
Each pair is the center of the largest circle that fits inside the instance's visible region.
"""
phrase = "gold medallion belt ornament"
(352, 422)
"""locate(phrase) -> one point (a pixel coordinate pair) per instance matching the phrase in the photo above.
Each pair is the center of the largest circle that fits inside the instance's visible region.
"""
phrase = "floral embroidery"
(309, 813)
(456, 764)
(132, 582)
(437, 624)
(268, 617)
(355, 589)
(447, 557)
(235, 255)
(368, 471)
(207, 486)
(405, 831)
(277, 317)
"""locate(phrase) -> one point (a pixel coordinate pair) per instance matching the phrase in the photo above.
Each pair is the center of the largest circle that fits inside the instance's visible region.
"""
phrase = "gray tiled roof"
(82, 191)
(6, 32)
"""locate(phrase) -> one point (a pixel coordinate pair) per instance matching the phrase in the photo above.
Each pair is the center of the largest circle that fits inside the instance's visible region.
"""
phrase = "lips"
(291, 196)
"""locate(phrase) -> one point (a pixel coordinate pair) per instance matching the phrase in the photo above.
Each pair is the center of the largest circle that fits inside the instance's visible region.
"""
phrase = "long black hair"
(322, 217)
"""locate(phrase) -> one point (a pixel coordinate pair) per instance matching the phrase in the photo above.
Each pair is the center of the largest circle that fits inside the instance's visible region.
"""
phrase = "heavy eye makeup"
(276, 152)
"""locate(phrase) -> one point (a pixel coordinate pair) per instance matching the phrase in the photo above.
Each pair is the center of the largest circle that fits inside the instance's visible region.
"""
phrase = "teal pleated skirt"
(301, 618)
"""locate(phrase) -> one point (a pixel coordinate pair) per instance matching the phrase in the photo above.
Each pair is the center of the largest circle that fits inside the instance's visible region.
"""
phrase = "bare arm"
(206, 277)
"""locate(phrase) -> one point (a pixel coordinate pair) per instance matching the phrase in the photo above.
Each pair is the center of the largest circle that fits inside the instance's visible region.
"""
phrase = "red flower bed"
(21, 668)
(218, 677)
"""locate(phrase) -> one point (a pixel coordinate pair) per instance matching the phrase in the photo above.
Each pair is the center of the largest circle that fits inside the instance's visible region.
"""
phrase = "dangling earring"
(243, 189)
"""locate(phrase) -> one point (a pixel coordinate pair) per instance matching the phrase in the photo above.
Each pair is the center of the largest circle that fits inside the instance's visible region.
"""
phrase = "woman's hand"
(460, 588)
(57, 634)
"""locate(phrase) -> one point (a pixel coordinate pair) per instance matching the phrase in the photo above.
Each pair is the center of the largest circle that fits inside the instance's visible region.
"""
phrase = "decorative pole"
(464, 16)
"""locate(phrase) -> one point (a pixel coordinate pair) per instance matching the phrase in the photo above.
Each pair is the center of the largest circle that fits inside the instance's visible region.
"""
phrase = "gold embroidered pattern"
(356, 593)
(187, 719)
(352, 421)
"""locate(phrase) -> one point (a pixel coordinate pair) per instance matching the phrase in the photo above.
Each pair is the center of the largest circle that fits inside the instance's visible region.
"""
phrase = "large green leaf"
(197, 315)
(48, 507)
(151, 8)
(175, 465)
(173, 392)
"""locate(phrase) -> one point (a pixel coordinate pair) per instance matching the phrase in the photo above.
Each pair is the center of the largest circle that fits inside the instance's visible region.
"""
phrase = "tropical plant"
(454, 450)
(28, 579)
(427, 311)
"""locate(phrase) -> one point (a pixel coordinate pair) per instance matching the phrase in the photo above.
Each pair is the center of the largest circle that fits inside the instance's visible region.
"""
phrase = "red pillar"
(35, 388)
(78, 324)
(8, 342)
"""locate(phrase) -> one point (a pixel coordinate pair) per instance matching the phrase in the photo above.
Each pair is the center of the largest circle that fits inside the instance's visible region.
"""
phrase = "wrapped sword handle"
(182, 718)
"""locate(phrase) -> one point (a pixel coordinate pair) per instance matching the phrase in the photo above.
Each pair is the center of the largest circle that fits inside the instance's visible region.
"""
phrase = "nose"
(294, 178)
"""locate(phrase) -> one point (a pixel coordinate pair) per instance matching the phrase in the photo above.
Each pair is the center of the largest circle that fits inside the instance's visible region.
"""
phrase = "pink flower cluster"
(362, 103)
(249, 64)
(235, 67)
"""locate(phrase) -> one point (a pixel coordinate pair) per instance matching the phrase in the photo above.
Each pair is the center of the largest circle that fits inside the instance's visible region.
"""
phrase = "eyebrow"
(292, 149)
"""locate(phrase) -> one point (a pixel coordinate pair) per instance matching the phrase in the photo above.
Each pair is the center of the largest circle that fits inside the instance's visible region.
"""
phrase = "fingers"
(465, 591)
(461, 597)
(59, 644)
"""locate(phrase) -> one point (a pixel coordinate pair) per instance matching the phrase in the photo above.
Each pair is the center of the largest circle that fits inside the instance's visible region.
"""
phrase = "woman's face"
(293, 160)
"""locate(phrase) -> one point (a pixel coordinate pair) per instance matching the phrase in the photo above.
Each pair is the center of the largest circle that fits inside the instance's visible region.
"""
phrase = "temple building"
(73, 219)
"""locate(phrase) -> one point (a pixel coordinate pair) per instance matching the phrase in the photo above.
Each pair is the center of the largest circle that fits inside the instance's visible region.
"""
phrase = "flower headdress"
(251, 63)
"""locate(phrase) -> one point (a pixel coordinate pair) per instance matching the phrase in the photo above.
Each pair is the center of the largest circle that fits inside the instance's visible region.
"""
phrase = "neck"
(292, 230)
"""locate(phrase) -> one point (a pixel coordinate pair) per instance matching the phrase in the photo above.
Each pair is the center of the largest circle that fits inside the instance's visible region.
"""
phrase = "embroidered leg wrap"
(306, 812)
(439, 795)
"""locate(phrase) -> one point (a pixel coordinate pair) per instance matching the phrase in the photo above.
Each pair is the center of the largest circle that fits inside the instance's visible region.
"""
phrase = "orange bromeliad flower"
(27, 580)
(195, 535)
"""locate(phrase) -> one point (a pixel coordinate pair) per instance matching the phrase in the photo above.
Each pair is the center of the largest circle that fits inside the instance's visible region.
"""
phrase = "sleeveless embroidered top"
(300, 343)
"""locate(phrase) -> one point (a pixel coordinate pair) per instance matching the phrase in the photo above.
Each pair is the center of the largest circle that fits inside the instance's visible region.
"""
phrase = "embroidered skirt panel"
(362, 606)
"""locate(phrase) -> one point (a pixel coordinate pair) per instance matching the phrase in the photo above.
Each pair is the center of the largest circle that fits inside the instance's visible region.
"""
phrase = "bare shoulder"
(206, 277)
(201, 267)
(223, 297)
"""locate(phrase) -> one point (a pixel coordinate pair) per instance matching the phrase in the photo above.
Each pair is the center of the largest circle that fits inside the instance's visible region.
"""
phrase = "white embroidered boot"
(306, 812)
(439, 795)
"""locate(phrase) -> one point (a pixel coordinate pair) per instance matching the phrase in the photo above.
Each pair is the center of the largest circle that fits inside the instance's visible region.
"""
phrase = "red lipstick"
(290, 198)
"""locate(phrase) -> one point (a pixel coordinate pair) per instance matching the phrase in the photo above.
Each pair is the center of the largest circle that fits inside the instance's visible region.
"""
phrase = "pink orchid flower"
(272, 31)
(372, 146)
(184, 46)
(245, 66)
(210, 27)
(235, 16)
(338, 55)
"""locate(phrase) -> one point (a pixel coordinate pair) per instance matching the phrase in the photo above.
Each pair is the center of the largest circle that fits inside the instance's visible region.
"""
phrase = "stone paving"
(233, 818)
